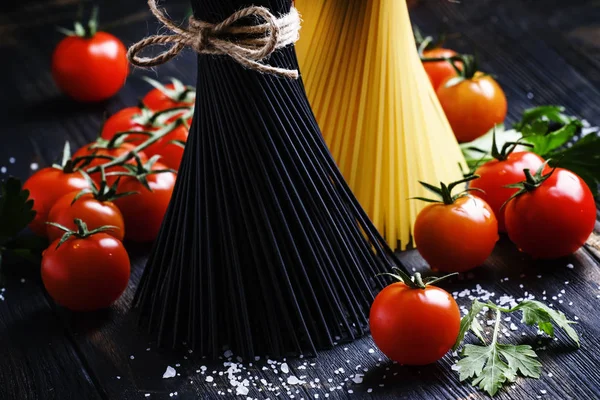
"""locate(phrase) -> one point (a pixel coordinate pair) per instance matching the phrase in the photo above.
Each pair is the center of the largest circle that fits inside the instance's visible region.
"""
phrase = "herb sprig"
(551, 134)
(16, 212)
(490, 366)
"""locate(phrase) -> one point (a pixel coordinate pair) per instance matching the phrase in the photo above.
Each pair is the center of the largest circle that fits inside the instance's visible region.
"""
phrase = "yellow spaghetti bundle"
(376, 107)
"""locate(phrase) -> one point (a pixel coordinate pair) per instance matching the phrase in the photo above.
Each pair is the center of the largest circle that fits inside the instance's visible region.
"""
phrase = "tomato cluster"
(114, 189)
(472, 101)
(548, 213)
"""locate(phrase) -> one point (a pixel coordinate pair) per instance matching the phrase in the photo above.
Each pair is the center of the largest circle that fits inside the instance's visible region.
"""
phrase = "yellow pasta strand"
(376, 107)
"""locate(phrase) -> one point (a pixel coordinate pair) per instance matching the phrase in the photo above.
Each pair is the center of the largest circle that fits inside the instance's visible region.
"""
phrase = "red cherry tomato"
(554, 219)
(456, 237)
(171, 153)
(116, 152)
(90, 69)
(439, 71)
(144, 212)
(128, 119)
(473, 106)
(496, 174)
(86, 274)
(158, 100)
(91, 211)
(414, 326)
(45, 187)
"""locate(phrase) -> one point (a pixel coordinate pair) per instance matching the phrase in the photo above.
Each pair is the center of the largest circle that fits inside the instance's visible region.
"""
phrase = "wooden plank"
(37, 359)
(499, 31)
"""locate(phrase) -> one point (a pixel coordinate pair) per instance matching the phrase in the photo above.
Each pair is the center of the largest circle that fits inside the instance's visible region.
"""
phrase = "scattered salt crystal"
(118, 377)
(241, 390)
(371, 351)
(132, 357)
(34, 166)
(543, 391)
(570, 266)
(209, 379)
(178, 365)
(549, 374)
(513, 327)
(228, 354)
(350, 391)
(22, 280)
(570, 303)
(3, 170)
(12, 160)
(539, 276)
(292, 380)
(455, 367)
(576, 318)
(148, 349)
(285, 369)
(169, 373)
(147, 395)
(369, 390)
(358, 378)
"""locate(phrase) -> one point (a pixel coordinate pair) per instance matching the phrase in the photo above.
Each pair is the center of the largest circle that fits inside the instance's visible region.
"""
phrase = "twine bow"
(248, 45)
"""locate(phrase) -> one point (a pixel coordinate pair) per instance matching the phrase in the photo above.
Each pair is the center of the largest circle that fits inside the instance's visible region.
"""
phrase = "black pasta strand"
(264, 249)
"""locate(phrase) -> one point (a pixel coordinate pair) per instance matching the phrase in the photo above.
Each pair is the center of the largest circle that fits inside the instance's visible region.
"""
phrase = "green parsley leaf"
(16, 210)
(583, 158)
(470, 321)
(536, 313)
(534, 115)
(521, 359)
(489, 367)
(544, 142)
(483, 363)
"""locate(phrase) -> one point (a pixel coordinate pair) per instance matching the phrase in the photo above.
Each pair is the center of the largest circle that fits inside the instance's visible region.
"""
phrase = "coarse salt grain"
(241, 390)
(169, 373)
(292, 380)
(209, 379)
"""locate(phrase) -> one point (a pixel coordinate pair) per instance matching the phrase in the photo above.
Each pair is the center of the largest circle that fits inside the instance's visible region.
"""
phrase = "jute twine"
(248, 45)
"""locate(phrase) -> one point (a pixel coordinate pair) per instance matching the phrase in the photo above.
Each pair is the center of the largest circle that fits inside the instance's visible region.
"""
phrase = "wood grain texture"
(541, 55)
(38, 359)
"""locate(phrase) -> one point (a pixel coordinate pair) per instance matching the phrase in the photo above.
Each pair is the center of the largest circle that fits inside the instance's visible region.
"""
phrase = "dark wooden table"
(542, 52)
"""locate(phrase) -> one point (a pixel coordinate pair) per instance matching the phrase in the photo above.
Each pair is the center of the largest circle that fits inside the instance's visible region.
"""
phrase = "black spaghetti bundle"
(264, 249)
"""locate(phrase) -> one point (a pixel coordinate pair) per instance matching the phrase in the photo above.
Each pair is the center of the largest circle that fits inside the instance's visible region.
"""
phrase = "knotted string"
(248, 45)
